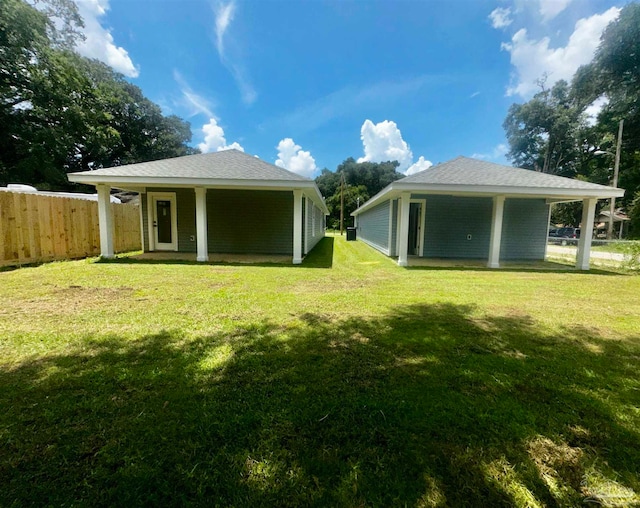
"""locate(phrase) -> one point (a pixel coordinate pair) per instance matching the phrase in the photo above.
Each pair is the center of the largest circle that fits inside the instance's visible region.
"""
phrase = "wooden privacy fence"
(36, 228)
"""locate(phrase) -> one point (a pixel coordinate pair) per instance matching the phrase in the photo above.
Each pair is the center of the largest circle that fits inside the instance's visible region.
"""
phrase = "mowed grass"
(347, 381)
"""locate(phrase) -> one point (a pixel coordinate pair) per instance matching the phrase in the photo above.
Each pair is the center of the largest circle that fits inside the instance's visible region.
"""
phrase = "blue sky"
(306, 84)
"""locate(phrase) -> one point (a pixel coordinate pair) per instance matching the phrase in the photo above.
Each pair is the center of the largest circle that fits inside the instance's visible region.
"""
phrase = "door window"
(163, 220)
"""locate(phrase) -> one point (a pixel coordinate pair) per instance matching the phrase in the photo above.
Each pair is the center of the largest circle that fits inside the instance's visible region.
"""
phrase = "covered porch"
(219, 224)
(213, 257)
(406, 223)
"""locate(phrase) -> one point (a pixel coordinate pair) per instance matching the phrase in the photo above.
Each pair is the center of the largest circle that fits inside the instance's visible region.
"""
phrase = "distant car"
(566, 236)
(553, 232)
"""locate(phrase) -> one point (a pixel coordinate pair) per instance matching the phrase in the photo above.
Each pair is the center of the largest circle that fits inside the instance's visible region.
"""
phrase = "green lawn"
(347, 381)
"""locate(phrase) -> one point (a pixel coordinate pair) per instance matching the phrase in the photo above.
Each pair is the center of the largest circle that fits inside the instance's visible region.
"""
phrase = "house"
(223, 202)
(619, 217)
(473, 209)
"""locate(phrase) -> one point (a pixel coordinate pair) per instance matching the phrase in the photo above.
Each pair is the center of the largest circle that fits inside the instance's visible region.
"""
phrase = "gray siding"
(450, 219)
(373, 226)
(314, 225)
(239, 221)
(259, 222)
(524, 229)
(186, 207)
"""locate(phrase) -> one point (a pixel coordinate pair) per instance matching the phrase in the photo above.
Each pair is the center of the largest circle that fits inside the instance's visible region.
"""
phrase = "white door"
(163, 233)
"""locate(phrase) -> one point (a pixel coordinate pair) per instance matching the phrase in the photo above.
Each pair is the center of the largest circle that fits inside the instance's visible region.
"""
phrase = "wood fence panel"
(45, 231)
(23, 251)
(9, 226)
(96, 230)
(36, 228)
(57, 215)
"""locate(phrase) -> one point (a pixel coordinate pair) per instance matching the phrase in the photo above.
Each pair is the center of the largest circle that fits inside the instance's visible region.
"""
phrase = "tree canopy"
(362, 181)
(61, 112)
(554, 133)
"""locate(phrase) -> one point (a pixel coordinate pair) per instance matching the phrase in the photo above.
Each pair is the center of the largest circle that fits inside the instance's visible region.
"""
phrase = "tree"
(615, 70)
(551, 132)
(64, 22)
(353, 197)
(374, 176)
(543, 133)
(328, 182)
(362, 180)
(61, 112)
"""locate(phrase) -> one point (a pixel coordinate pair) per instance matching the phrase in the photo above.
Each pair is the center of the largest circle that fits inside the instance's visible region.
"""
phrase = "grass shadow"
(321, 256)
(425, 405)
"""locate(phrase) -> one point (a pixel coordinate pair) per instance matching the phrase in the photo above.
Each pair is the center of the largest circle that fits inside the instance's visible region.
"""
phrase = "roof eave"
(395, 188)
(131, 182)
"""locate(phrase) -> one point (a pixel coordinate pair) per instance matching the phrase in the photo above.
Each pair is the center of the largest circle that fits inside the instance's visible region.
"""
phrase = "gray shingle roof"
(466, 171)
(225, 165)
(465, 176)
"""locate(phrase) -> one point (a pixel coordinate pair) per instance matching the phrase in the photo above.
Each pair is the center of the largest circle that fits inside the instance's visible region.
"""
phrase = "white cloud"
(500, 17)
(549, 9)
(99, 42)
(214, 140)
(224, 14)
(293, 158)
(420, 165)
(533, 59)
(383, 142)
(593, 110)
(499, 151)
(224, 17)
(196, 103)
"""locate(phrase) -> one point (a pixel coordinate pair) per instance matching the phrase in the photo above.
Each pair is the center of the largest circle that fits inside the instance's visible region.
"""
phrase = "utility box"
(351, 234)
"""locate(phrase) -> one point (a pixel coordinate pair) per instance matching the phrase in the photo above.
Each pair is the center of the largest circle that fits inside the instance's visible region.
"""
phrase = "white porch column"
(496, 232)
(403, 208)
(201, 224)
(297, 226)
(105, 218)
(586, 233)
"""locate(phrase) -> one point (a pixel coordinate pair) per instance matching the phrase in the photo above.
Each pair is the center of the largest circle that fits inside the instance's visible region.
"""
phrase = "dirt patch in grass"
(67, 300)
(558, 463)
